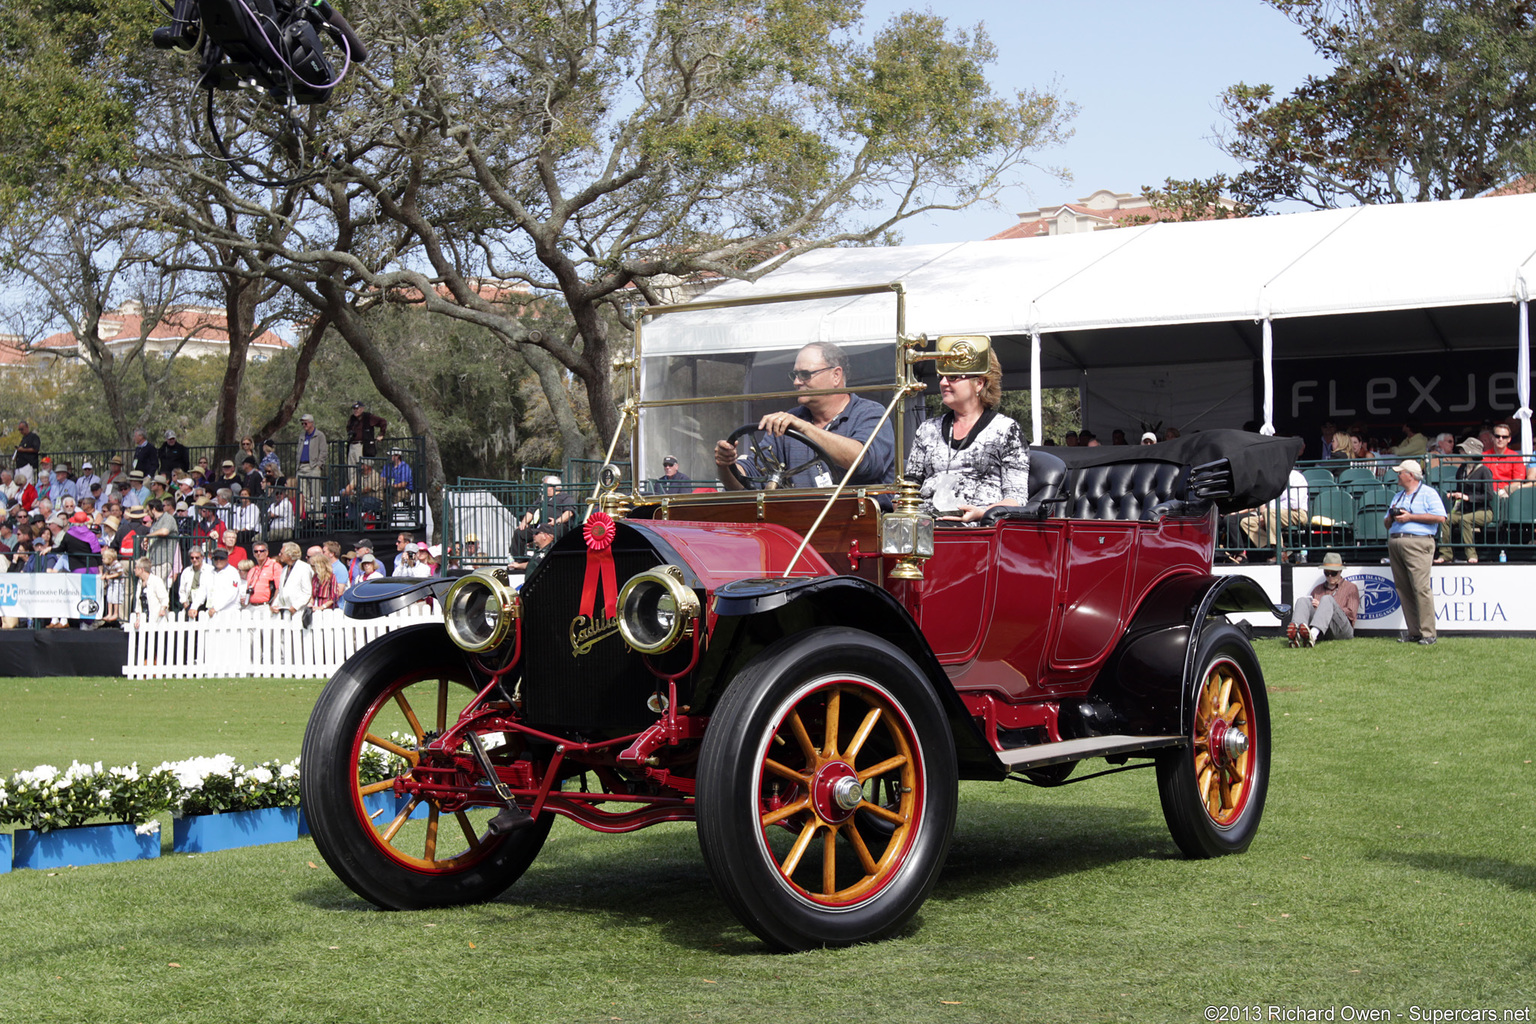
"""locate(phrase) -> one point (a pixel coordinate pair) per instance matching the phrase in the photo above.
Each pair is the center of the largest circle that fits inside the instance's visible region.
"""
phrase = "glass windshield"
(699, 383)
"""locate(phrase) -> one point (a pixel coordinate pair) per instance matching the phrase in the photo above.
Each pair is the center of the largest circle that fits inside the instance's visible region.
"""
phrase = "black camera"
(274, 44)
(1398, 512)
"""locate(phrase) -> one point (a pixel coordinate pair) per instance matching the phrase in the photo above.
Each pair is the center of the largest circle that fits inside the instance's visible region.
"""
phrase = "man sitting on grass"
(1329, 614)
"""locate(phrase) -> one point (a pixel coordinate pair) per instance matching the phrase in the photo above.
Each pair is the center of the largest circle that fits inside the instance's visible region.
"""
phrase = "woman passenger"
(972, 458)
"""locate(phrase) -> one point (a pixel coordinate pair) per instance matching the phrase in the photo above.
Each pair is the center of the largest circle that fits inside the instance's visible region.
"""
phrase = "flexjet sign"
(1408, 394)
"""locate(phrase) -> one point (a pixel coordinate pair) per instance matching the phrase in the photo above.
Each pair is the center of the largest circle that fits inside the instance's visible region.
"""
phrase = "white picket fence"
(255, 643)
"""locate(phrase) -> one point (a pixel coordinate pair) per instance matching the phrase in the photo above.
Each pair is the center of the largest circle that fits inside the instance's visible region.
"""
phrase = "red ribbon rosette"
(598, 531)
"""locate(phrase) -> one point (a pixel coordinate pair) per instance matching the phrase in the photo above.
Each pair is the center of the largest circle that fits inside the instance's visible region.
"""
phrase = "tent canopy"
(1420, 277)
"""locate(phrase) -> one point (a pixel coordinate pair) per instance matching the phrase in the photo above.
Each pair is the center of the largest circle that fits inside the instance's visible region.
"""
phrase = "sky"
(1146, 76)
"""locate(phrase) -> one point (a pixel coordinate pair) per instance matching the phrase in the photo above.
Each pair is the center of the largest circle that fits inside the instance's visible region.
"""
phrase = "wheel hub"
(836, 792)
(1228, 743)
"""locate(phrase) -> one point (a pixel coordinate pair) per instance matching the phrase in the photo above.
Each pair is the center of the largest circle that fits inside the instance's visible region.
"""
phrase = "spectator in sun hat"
(1471, 497)
(1149, 438)
(368, 568)
(1329, 613)
(137, 492)
(61, 486)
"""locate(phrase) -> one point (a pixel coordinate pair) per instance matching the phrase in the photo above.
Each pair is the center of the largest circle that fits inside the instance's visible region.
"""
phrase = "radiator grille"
(604, 688)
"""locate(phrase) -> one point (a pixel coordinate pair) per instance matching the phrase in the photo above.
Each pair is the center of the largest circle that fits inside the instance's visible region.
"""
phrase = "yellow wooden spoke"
(829, 861)
(410, 756)
(797, 729)
(468, 830)
(1206, 777)
(866, 727)
(802, 843)
(889, 764)
(834, 710)
(376, 787)
(396, 825)
(788, 810)
(410, 716)
(786, 772)
(1224, 693)
(894, 817)
(866, 861)
(429, 852)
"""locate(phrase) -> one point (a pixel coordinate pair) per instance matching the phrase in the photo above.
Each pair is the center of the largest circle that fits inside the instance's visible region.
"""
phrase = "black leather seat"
(1124, 491)
(1047, 482)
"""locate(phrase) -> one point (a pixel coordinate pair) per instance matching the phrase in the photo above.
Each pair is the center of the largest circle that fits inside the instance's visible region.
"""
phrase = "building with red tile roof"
(197, 330)
(1103, 209)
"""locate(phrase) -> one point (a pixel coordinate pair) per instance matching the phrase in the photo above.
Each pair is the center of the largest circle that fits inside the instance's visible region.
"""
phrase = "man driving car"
(839, 423)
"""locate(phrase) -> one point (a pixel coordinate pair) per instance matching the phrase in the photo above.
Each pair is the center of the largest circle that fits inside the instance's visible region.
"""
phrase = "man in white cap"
(86, 480)
(1149, 438)
(1330, 612)
(1413, 522)
(311, 461)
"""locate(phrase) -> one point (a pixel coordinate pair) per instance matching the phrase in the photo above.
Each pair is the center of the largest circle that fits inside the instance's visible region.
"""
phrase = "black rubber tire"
(798, 675)
(345, 837)
(1199, 830)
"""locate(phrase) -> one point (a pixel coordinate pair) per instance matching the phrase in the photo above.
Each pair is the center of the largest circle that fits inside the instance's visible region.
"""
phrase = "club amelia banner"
(1468, 598)
(40, 595)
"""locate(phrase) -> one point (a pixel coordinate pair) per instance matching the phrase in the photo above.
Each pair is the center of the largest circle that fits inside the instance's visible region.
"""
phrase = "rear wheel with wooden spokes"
(1213, 789)
(372, 724)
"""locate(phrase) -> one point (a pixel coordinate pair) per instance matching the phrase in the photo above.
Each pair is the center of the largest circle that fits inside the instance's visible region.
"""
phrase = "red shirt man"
(262, 581)
(1505, 465)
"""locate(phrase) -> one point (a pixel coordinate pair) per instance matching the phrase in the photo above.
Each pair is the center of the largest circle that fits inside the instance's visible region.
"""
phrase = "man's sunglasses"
(804, 376)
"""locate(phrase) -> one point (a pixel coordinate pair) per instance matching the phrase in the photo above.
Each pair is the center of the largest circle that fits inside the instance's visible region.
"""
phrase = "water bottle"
(1502, 556)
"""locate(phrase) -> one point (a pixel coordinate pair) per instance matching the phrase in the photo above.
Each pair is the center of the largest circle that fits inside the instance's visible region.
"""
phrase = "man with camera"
(1413, 523)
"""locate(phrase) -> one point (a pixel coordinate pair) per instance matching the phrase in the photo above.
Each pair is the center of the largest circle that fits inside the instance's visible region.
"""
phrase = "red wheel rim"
(447, 843)
(839, 784)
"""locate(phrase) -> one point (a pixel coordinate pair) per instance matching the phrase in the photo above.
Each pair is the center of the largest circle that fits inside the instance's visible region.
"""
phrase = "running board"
(1041, 754)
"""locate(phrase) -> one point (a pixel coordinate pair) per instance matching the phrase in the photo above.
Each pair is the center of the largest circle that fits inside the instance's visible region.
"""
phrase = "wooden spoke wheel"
(826, 790)
(1213, 790)
(372, 723)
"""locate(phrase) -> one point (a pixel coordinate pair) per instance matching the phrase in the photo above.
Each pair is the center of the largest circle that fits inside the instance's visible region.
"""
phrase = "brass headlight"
(480, 608)
(656, 610)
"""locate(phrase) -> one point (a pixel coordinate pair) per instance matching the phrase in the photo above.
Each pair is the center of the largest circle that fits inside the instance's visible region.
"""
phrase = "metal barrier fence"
(1346, 512)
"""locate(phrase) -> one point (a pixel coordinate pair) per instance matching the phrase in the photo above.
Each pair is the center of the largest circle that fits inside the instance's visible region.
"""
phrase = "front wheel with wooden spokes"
(373, 723)
(827, 790)
(1213, 789)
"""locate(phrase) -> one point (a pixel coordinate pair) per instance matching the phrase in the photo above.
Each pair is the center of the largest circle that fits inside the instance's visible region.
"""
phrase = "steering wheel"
(760, 456)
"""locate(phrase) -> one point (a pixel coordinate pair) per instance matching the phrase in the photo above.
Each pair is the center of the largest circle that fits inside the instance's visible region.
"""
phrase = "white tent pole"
(1268, 429)
(1036, 414)
(1523, 382)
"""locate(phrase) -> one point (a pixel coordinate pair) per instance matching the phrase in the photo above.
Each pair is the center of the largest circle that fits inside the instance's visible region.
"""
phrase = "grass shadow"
(1520, 877)
(656, 880)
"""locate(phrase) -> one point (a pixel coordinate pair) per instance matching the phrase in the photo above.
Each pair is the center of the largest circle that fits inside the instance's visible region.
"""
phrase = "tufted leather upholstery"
(1126, 491)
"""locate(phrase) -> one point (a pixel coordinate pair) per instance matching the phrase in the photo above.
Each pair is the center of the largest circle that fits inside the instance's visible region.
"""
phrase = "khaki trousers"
(1411, 556)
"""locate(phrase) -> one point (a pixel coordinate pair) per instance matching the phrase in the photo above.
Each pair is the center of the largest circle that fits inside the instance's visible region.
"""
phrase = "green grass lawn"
(1394, 869)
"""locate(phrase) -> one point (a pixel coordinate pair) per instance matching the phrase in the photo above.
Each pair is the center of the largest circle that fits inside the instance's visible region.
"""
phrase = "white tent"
(1195, 305)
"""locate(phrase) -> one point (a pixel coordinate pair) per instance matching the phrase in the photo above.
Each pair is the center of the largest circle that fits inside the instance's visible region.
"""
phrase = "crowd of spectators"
(166, 532)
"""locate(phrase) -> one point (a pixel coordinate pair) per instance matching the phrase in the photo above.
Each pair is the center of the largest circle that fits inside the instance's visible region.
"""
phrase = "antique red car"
(806, 672)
